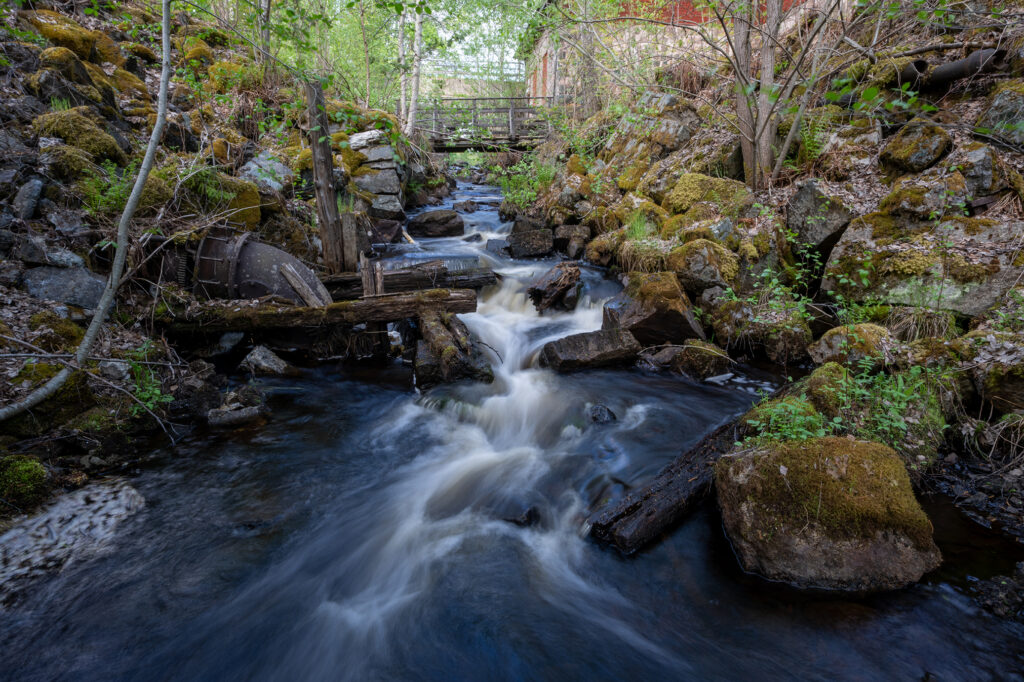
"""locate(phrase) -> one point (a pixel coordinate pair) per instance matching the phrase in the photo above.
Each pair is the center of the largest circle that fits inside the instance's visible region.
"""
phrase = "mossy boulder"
(63, 31)
(699, 360)
(67, 162)
(23, 481)
(932, 194)
(995, 361)
(732, 197)
(140, 51)
(155, 193)
(824, 388)
(777, 329)
(71, 399)
(66, 63)
(55, 333)
(602, 248)
(225, 75)
(853, 344)
(1003, 116)
(244, 207)
(701, 263)
(654, 308)
(917, 146)
(983, 171)
(78, 130)
(107, 51)
(955, 264)
(827, 513)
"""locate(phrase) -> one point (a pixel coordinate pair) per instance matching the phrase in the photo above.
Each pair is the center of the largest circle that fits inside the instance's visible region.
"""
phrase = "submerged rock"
(604, 348)
(695, 358)
(600, 414)
(828, 513)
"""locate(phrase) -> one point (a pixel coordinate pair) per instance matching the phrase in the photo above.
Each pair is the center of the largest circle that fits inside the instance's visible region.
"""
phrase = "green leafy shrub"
(105, 190)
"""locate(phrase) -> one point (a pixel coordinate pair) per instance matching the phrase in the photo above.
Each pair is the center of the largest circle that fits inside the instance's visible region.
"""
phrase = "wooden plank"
(219, 316)
(336, 257)
(349, 285)
(306, 293)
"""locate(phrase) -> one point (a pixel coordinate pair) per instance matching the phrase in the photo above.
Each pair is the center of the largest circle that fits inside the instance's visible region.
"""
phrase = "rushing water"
(364, 534)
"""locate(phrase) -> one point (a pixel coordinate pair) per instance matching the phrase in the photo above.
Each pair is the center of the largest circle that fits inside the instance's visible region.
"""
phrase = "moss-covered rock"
(107, 51)
(66, 63)
(225, 75)
(732, 198)
(62, 30)
(701, 264)
(824, 388)
(129, 84)
(654, 308)
(67, 162)
(23, 481)
(932, 194)
(55, 334)
(244, 208)
(699, 359)
(827, 513)
(1004, 112)
(155, 193)
(777, 329)
(602, 249)
(917, 146)
(141, 51)
(76, 129)
(853, 344)
(995, 361)
(71, 399)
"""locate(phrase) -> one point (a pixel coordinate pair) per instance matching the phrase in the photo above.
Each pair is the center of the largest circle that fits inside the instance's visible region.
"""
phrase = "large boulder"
(266, 169)
(74, 286)
(604, 348)
(696, 359)
(983, 171)
(934, 193)
(828, 513)
(995, 363)
(388, 207)
(378, 181)
(530, 244)
(440, 223)
(732, 198)
(816, 219)
(654, 309)
(918, 145)
(957, 264)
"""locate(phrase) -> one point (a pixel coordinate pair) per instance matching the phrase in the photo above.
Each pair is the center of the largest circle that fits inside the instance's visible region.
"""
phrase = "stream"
(365, 533)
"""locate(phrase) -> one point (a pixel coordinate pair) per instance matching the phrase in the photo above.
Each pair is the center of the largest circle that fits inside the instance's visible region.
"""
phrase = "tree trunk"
(744, 90)
(110, 291)
(766, 124)
(265, 35)
(403, 76)
(417, 58)
(366, 52)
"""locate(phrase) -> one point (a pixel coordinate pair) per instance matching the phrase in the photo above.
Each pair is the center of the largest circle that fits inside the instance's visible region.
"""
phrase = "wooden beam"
(350, 285)
(248, 316)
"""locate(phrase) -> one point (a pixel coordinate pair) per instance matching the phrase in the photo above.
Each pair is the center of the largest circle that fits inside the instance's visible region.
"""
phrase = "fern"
(814, 134)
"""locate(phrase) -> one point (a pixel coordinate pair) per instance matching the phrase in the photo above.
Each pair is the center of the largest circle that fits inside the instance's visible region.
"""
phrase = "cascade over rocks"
(827, 513)
(557, 288)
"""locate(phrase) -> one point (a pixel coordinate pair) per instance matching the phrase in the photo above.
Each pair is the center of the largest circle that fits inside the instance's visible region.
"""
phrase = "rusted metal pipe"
(978, 62)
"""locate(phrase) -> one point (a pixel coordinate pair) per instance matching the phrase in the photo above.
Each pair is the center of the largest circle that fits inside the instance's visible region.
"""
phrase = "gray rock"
(387, 206)
(1004, 115)
(531, 244)
(935, 192)
(817, 219)
(11, 143)
(115, 370)
(235, 415)
(63, 258)
(379, 182)
(31, 248)
(378, 153)
(360, 141)
(655, 309)
(67, 223)
(27, 198)
(465, 206)
(599, 414)
(440, 223)
(604, 348)
(262, 360)
(567, 234)
(267, 169)
(498, 247)
(10, 272)
(982, 171)
(7, 241)
(526, 224)
(74, 286)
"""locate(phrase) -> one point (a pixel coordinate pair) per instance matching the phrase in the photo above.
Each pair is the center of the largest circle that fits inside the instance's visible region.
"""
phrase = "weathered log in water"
(645, 514)
(249, 316)
(425, 276)
(447, 352)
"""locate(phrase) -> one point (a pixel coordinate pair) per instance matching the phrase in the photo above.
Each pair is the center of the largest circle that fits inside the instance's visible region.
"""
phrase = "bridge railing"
(485, 119)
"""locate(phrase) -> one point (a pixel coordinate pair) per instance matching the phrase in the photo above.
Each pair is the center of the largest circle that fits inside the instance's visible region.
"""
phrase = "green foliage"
(105, 190)
(787, 419)
(523, 182)
(205, 183)
(22, 480)
(60, 103)
(146, 384)
(814, 133)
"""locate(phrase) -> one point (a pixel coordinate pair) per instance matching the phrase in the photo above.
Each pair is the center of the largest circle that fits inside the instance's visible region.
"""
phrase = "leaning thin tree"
(113, 280)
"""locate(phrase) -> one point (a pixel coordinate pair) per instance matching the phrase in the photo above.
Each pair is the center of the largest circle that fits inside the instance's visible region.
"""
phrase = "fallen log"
(645, 514)
(247, 316)
(447, 353)
(432, 275)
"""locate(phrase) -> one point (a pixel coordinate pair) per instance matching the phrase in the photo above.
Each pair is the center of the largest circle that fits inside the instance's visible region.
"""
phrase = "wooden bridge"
(455, 124)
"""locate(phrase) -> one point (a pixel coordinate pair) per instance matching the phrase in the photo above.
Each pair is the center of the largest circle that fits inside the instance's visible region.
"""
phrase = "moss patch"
(824, 386)
(22, 480)
(60, 334)
(732, 197)
(78, 130)
(63, 31)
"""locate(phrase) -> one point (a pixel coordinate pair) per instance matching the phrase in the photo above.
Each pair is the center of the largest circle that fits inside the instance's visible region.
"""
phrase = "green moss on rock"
(732, 197)
(22, 481)
(60, 334)
(62, 30)
(78, 130)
